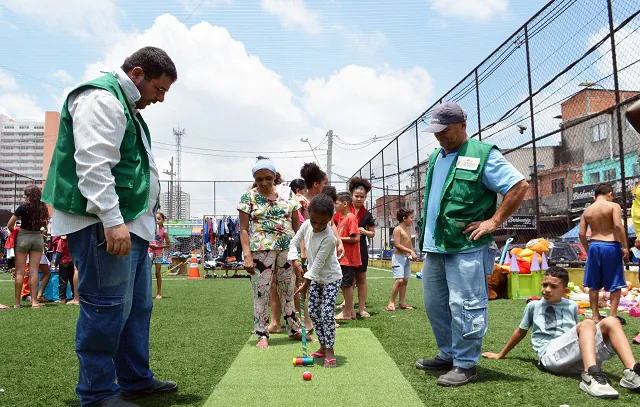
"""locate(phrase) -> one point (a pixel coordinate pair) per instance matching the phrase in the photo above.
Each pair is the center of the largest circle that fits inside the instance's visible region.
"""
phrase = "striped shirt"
(98, 129)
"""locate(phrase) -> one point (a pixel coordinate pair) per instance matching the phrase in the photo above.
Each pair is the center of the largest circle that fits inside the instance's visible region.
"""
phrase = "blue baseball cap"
(443, 115)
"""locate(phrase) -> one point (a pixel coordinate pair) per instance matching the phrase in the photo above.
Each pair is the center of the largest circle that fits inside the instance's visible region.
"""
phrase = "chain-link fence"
(12, 185)
(552, 97)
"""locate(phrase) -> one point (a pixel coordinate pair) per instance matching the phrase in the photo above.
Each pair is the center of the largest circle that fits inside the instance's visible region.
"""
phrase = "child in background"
(401, 260)
(322, 279)
(349, 233)
(66, 272)
(607, 249)
(156, 249)
(566, 346)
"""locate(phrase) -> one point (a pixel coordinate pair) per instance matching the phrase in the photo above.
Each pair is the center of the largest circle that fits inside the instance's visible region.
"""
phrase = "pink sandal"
(330, 362)
(317, 355)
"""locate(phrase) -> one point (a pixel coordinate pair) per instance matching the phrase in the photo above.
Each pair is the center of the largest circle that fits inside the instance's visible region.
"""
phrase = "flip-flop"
(317, 355)
(3, 307)
(330, 363)
(622, 320)
(409, 307)
(636, 339)
(391, 308)
(340, 317)
(341, 306)
(365, 314)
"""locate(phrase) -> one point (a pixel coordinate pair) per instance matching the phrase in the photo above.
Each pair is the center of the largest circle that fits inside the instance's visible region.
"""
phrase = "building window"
(557, 186)
(610, 175)
(594, 178)
(24, 127)
(600, 131)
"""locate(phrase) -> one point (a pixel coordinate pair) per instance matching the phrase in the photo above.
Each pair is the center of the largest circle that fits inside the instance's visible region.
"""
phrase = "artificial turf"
(262, 377)
(202, 326)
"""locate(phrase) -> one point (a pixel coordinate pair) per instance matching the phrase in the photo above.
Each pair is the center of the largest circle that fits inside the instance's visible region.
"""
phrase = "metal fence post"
(616, 85)
(384, 203)
(533, 132)
(478, 106)
(418, 169)
(15, 191)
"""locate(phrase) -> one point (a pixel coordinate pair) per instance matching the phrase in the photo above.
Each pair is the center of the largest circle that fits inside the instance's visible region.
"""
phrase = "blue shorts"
(604, 267)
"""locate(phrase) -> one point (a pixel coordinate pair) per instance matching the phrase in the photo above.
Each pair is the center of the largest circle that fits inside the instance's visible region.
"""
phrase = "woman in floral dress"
(274, 221)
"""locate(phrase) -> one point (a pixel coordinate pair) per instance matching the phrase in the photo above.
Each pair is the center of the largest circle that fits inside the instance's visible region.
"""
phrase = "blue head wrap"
(263, 164)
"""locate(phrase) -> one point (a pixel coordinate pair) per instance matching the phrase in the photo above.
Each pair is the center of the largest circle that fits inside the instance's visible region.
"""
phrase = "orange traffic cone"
(194, 270)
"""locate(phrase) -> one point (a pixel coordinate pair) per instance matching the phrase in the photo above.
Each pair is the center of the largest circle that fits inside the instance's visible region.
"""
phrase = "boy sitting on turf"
(566, 346)
(607, 249)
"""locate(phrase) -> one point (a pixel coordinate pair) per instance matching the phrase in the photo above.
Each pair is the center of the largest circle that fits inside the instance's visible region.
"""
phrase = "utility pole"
(329, 153)
(171, 174)
(178, 134)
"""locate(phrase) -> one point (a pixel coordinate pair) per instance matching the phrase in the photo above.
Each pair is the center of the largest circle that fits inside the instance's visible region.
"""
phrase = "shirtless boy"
(400, 263)
(607, 249)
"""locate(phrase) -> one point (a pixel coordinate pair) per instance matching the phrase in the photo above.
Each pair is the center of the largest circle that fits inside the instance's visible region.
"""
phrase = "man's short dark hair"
(559, 272)
(345, 197)
(603, 188)
(331, 191)
(403, 213)
(153, 61)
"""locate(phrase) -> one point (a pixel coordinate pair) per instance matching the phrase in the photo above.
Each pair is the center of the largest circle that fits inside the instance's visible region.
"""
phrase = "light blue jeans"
(456, 298)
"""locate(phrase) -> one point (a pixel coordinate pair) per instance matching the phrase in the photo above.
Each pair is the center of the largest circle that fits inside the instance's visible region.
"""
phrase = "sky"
(256, 76)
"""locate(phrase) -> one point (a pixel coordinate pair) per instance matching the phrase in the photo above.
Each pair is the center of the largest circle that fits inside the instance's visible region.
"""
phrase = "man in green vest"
(463, 179)
(103, 186)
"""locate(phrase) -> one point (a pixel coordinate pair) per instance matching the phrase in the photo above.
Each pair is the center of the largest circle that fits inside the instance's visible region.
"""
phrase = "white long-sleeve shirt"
(99, 125)
(323, 266)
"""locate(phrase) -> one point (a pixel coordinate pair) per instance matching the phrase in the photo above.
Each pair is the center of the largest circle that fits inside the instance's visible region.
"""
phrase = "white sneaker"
(631, 378)
(597, 384)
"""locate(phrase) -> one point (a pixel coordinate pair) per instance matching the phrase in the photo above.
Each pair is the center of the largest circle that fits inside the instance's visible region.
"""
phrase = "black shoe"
(457, 377)
(433, 364)
(113, 402)
(157, 388)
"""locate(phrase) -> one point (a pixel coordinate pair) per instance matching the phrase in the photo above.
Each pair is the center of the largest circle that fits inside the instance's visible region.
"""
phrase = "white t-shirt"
(323, 264)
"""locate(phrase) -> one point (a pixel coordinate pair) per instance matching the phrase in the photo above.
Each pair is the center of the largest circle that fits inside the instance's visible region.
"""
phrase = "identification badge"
(468, 163)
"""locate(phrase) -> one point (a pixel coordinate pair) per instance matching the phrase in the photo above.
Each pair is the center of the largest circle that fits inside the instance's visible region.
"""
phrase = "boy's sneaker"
(631, 378)
(596, 384)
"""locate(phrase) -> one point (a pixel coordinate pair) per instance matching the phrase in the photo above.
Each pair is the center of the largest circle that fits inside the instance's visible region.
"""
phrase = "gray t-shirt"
(547, 321)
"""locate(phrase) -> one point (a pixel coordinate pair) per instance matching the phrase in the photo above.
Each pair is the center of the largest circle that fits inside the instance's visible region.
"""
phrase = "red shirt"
(63, 249)
(11, 241)
(347, 227)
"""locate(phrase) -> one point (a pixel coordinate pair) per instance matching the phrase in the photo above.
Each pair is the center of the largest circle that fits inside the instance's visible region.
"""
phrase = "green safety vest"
(463, 199)
(131, 174)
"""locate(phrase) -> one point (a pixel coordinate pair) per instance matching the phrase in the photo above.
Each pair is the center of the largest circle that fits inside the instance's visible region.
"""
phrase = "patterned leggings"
(268, 262)
(322, 304)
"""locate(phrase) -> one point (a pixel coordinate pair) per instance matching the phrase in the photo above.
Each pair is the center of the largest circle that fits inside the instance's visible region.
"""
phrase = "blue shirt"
(499, 176)
(547, 321)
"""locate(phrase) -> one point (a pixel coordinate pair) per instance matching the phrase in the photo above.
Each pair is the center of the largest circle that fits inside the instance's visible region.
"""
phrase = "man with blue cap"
(463, 179)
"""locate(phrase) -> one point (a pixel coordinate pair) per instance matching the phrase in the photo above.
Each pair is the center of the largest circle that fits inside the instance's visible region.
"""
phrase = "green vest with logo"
(131, 173)
(463, 199)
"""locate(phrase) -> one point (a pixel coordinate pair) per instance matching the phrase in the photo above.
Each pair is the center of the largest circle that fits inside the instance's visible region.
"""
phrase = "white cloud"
(7, 82)
(365, 43)
(63, 76)
(21, 106)
(480, 10)
(95, 20)
(293, 14)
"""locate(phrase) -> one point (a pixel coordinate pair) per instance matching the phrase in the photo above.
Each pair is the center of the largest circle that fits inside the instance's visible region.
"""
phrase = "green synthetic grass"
(361, 357)
(200, 327)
